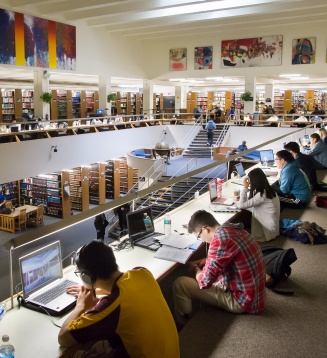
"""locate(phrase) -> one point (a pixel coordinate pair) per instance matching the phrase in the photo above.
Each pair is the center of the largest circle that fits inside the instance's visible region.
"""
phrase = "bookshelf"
(79, 188)
(27, 102)
(97, 183)
(49, 190)
(8, 105)
(11, 191)
(279, 101)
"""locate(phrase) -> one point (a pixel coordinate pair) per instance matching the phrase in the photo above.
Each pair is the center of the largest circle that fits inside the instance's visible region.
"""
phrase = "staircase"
(173, 196)
(199, 148)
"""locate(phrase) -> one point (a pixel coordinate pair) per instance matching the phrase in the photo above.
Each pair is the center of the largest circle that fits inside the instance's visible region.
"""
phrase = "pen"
(180, 233)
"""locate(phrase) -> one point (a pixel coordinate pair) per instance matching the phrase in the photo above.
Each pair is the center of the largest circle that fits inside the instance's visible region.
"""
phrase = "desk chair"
(37, 219)
(21, 220)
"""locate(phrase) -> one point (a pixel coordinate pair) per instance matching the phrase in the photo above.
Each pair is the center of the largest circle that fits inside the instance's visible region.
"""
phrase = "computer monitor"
(101, 111)
(267, 156)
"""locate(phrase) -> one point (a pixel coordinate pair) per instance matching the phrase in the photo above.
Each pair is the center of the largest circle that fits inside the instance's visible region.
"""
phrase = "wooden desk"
(7, 221)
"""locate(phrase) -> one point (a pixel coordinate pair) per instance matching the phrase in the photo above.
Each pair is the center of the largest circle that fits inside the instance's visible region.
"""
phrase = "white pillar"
(147, 97)
(104, 90)
(250, 85)
(269, 94)
(41, 84)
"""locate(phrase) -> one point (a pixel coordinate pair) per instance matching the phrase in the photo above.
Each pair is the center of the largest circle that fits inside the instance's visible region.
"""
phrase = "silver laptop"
(241, 174)
(141, 229)
(43, 281)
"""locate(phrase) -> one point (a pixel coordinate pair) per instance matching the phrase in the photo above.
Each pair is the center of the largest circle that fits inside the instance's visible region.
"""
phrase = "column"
(250, 85)
(269, 94)
(180, 97)
(41, 85)
(104, 90)
(147, 97)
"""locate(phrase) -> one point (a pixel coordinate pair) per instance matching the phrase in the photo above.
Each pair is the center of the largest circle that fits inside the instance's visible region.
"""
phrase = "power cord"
(43, 309)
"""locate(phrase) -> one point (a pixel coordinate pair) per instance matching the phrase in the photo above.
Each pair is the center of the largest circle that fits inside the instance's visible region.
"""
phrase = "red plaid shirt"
(235, 260)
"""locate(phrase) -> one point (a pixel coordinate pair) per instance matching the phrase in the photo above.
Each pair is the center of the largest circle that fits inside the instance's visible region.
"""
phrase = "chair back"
(22, 216)
(39, 214)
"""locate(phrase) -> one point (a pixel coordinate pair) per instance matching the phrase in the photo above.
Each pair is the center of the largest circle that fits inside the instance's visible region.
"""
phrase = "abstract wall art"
(177, 59)
(32, 41)
(203, 58)
(252, 52)
(303, 51)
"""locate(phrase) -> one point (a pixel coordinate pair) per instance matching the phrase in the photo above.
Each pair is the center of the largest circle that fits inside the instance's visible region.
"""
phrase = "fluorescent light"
(176, 79)
(299, 78)
(291, 75)
(214, 78)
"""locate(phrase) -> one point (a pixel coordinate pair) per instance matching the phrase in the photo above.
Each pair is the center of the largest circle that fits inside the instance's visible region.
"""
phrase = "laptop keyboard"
(149, 240)
(53, 293)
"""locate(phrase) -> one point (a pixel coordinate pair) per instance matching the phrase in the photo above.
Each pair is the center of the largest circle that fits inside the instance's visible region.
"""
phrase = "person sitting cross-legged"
(231, 277)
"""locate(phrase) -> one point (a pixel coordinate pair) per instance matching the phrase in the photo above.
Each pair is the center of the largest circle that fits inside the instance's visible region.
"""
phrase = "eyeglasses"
(278, 159)
(77, 273)
(198, 237)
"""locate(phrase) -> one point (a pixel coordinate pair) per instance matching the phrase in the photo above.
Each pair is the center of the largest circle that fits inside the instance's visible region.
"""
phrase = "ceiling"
(159, 19)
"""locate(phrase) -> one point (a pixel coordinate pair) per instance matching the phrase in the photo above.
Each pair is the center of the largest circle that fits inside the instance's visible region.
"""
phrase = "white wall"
(35, 157)
(157, 61)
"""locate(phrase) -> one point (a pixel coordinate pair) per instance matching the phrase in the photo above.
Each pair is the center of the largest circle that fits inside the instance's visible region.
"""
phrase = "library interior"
(104, 109)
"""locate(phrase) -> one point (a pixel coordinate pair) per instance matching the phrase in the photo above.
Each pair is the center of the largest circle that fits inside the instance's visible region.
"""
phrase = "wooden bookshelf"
(79, 188)
(8, 105)
(11, 191)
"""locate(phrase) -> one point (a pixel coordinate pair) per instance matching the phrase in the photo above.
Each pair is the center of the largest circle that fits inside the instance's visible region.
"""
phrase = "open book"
(173, 254)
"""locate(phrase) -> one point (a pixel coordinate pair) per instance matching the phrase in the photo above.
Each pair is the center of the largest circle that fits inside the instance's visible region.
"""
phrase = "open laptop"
(141, 233)
(241, 174)
(267, 157)
(14, 129)
(44, 287)
(214, 197)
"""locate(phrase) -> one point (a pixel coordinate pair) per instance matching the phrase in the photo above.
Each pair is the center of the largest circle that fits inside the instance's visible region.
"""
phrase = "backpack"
(321, 201)
(278, 265)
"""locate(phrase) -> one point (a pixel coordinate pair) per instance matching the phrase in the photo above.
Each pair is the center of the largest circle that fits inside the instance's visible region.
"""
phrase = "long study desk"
(35, 336)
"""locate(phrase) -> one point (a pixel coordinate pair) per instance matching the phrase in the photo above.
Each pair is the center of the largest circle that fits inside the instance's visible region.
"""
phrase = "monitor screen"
(267, 155)
(14, 129)
(101, 111)
(135, 221)
(240, 170)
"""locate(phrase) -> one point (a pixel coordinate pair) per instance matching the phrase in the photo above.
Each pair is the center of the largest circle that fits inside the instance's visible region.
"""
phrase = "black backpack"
(278, 265)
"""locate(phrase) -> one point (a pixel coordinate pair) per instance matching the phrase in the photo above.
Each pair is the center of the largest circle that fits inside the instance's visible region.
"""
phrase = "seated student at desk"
(232, 277)
(305, 162)
(133, 315)
(2, 203)
(318, 151)
(293, 187)
(242, 146)
(258, 195)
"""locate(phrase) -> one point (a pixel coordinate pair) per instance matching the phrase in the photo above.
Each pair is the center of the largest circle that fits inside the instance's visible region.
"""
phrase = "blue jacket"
(210, 126)
(319, 152)
(294, 182)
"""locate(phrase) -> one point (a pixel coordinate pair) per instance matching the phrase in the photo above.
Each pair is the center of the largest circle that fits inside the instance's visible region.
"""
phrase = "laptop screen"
(212, 191)
(136, 223)
(40, 268)
(267, 156)
(14, 129)
(240, 170)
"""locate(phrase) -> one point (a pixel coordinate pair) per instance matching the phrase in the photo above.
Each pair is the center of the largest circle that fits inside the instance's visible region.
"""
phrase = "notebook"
(241, 174)
(140, 231)
(267, 156)
(42, 275)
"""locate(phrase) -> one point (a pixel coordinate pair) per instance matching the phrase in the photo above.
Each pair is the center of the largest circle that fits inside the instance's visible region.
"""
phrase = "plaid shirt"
(235, 260)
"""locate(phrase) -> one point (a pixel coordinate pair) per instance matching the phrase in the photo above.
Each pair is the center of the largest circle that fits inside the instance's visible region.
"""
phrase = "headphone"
(87, 276)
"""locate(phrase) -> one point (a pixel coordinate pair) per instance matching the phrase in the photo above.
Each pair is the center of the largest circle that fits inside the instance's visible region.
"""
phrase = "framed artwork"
(203, 58)
(303, 51)
(35, 42)
(252, 52)
(177, 59)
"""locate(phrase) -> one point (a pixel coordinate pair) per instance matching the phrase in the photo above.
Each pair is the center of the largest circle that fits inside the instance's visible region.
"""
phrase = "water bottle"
(147, 222)
(265, 162)
(2, 309)
(196, 194)
(167, 224)
(7, 350)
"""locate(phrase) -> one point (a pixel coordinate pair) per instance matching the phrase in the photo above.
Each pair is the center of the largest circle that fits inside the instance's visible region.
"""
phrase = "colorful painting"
(177, 59)
(32, 41)
(203, 58)
(303, 51)
(252, 52)
(7, 40)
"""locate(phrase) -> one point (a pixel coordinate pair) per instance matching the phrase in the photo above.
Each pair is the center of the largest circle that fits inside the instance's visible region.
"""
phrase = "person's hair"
(316, 136)
(201, 218)
(292, 146)
(260, 184)
(322, 132)
(243, 142)
(98, 258)
(284, 154)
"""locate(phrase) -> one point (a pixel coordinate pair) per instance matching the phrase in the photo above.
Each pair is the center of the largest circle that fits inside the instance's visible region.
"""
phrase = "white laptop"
(43, 283)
